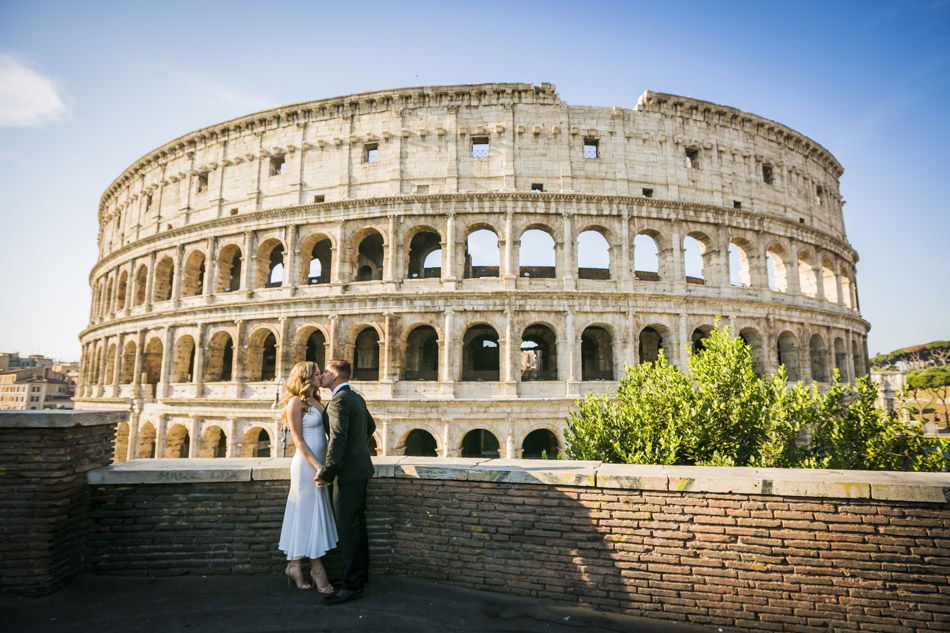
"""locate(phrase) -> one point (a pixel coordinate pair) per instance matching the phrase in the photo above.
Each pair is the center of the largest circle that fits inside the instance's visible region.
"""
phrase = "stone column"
(290, 258)
(161, 389)
(385, 350)
(160, 432)
(678, 350)
(449, 248)
(177, 276)
(211, 267)
(283, 356)
(333, 347)
(448, 365)
(571, 341)
(117, 363)
(150, 281)
(233, 449)
(508, 354)
(568, 259)
(247, 272)
(675, 260)
(626, 250)
(509, 265)
(194, 446)
(390, 259)
(794, 280)
(139, 359)
(199, 375)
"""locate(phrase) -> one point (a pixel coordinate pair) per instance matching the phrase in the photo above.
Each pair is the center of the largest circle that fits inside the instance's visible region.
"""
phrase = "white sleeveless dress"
(309, 530)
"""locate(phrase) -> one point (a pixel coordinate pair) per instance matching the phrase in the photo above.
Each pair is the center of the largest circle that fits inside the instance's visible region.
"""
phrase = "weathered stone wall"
(188, 330)
(744, 549)
(44, 457)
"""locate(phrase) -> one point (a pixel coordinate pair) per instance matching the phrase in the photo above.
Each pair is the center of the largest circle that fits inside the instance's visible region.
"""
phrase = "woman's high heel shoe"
(320, 580)
(294, 575)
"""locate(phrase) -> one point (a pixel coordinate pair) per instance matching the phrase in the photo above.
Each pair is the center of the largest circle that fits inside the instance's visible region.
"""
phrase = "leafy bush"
(723, 414)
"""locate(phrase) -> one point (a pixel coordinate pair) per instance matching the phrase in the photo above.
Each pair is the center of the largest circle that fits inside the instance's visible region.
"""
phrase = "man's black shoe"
(342, 595)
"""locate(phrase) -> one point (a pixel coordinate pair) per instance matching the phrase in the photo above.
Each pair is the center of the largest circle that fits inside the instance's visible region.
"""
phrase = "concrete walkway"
(234, 604)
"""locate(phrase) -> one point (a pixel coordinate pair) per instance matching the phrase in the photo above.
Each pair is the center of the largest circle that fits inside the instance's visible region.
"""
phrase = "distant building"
(12, 360)
(37, 388)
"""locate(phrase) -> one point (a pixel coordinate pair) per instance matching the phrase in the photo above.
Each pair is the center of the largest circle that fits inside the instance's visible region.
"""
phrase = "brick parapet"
(44, 458)
(743, 549)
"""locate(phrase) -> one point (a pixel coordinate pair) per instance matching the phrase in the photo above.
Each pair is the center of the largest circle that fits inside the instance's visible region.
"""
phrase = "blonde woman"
(309, 530)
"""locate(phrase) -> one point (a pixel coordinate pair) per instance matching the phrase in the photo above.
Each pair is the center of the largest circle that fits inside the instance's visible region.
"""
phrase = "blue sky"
(87, 88)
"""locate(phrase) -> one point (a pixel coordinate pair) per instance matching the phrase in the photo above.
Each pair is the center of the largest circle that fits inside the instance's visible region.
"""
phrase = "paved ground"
(233, 604)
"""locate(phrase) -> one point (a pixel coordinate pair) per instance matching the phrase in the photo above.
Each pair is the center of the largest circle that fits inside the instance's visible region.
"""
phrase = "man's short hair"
(341, 368)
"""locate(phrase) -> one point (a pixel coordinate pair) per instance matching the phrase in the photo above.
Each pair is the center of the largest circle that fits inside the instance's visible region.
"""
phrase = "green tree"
(724, 414)
(932, 384)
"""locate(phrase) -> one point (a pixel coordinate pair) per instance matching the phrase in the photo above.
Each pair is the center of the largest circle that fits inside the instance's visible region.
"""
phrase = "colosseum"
(484, 255)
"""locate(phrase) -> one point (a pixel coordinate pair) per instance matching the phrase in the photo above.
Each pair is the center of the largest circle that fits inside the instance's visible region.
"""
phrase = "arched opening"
(164, 278)
(261, 355)
(807, 279)
(480, 443)
(540, 444)
(183, 364)
(695, 252)
(593, 255)
(256, 443)
(425, 256)
(316, 348)
(536, 257)
(110, 365)
(420, 443)
(270, 264)
(108, 298)
(128, 364)
(366, 355)
(788, 355)
(480, 358)
(756, 345)
(697, 337)
(177, 442)
(597, 358)
(857, 358)
(146, 444)
(230, 262)
(841, 360)
(219, 359)
(120, 293)
(646, 257)
(818, 354)
(121, 443)
(369, 258)
(776, 268)
(481, 254)
(422, 354)
(651, 342)
(828, 282)
(739, 272)
(193, 278)
(538, 354)
(846, 291)
(141, 284)
(214, 443)
(152, 364)
(320, 262)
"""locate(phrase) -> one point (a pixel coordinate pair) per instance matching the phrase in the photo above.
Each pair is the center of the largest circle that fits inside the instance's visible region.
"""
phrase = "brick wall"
(744, 549)
(44, 457)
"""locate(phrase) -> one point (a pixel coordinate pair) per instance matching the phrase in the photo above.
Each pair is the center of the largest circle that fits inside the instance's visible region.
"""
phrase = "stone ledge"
(59, 419)
(836, 484)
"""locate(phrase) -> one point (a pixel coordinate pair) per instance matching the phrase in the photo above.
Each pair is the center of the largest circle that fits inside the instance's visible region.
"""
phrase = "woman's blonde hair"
(298, 384)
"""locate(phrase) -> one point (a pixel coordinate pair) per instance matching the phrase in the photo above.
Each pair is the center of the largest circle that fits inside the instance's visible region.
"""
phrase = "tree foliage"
(723, 414)
(935, 353)
(931, 385)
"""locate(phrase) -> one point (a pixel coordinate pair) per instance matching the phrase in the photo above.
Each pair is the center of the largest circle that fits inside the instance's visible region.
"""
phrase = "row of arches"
(256, 442)
(420, 354)
(595, 254)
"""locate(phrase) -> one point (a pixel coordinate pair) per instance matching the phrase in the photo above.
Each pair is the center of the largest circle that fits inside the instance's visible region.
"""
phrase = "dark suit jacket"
(349, 425)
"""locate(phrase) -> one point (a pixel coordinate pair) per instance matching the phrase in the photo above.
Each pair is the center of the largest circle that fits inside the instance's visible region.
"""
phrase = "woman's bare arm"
(295, 419)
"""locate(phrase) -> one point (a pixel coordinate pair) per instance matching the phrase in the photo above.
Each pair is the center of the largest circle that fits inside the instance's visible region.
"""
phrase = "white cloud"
(27, 98)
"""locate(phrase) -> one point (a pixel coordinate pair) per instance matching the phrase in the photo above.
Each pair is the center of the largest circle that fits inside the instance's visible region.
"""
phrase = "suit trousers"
(349, 507)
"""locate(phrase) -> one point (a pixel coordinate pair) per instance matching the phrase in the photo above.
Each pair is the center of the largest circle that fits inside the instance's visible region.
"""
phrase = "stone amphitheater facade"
(483, 254)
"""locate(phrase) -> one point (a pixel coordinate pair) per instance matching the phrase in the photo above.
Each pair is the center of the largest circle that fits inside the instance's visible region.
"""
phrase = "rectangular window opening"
(202, 181)
(148, 203)
(371, 152)
(277, 165)
(819, 195)
(480, 147)
(736, 204)
(691, 160)
(234, 211)
(422, 188)
(537, 187)
(320, 198)
(647, 193)
(768, 175)
(590, 148)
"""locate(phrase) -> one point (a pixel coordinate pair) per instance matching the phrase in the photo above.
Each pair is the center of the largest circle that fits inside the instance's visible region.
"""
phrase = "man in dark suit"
(348, 467)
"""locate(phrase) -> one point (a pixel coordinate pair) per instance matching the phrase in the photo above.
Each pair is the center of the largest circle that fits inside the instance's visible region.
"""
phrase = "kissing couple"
(330, 450)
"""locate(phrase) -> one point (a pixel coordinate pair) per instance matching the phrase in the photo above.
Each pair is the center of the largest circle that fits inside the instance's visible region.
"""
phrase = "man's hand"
(320, 483)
